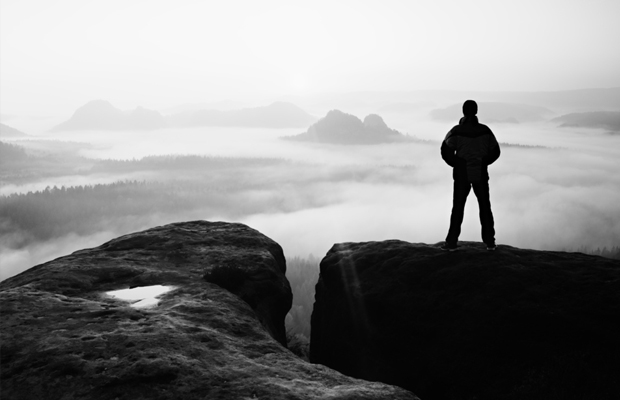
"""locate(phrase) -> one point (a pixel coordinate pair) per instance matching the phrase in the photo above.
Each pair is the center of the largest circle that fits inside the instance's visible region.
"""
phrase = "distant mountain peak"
(98, 103)
(608, 120)
(283, 104)
(102, 115)
(8, 131)
(374, 121)
(342, 128)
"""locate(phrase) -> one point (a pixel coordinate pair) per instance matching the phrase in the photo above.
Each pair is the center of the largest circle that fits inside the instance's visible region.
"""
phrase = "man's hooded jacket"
(469, 148)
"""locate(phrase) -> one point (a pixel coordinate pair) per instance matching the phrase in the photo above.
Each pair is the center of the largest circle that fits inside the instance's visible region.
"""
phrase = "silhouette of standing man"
(469, 148)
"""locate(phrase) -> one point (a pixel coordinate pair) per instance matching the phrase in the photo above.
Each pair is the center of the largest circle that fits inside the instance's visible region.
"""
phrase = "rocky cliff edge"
(217, 333)
(470, 324)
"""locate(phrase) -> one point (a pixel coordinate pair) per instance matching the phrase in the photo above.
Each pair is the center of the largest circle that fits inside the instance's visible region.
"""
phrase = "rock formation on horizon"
(495, 112)
(341, 128)
(217, 334)
(9, 132)
(102, 115)
(609, 120)
(276, 115)
(470, 324)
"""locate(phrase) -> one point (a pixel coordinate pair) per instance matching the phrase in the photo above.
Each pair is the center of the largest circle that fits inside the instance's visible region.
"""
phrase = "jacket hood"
(469, 120)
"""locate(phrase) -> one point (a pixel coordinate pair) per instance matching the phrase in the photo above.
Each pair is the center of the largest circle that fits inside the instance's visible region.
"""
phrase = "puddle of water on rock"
(144, 296)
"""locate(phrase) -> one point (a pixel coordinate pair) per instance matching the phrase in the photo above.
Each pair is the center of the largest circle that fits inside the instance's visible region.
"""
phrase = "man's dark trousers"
(481, 190)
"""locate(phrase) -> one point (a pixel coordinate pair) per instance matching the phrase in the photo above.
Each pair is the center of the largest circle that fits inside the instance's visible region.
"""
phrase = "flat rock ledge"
(218, 333)
(470, 324)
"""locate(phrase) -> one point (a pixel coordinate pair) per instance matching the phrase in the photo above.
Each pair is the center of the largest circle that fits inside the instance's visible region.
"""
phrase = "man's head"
(470, 108)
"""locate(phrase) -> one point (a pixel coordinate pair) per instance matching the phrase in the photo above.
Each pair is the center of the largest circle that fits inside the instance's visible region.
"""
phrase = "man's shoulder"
(485, 128)
(457, 130)
(452, 132)
(470, 130)
(487, 131)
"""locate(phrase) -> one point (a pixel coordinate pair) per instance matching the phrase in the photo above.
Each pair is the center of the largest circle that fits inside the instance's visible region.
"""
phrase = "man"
(469, 148)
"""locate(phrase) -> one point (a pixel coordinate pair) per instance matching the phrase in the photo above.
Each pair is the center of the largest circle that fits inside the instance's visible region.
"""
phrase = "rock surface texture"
(218, 334)
(470, 324)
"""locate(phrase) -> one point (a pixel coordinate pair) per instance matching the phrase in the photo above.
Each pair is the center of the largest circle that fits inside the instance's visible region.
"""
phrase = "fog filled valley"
(554, 187)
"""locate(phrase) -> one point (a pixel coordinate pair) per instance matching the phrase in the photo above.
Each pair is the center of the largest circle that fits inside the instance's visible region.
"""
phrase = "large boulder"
(470, 324)
(217, 333)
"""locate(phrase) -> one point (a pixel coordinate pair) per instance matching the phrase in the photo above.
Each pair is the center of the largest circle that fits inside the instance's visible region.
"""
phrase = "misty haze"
(313, 125)
(554, 187)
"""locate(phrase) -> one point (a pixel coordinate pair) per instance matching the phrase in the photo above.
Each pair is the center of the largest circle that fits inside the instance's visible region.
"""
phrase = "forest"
(53, 212)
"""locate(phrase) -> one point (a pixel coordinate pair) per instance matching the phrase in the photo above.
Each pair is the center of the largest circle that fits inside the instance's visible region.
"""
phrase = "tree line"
(613, 252)
(182, 162)
(10, 153)
(57, 211)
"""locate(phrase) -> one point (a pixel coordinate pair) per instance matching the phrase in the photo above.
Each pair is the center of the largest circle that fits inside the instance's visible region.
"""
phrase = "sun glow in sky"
(58, 55)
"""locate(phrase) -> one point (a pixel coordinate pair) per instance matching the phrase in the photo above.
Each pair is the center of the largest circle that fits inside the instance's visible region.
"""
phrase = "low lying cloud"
(561, 196)
(15, 261)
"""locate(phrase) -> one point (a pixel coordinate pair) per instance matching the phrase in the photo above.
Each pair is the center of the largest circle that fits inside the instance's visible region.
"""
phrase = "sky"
(57, 55)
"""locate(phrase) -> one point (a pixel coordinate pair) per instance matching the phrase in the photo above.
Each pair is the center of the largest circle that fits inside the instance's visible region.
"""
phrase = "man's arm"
(448, 153)
(494, 151)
